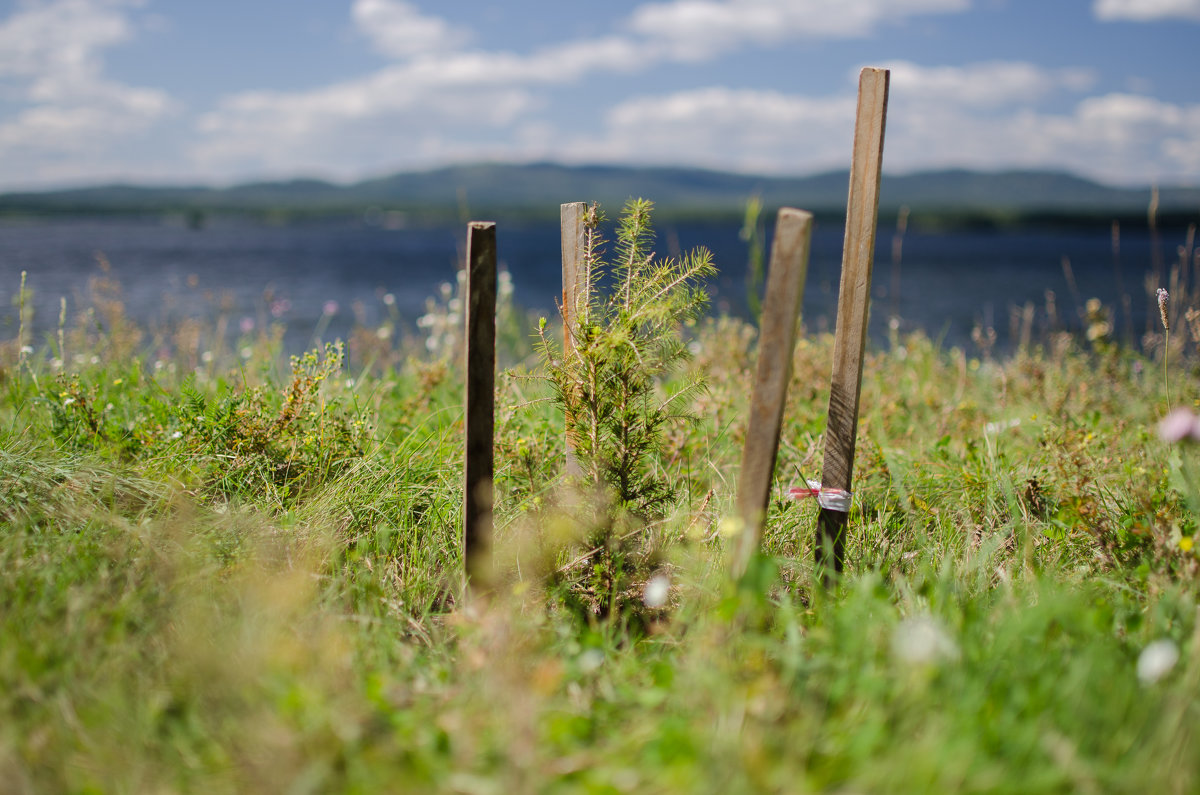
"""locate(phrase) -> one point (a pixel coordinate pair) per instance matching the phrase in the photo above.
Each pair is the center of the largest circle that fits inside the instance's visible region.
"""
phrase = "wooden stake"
(854, 298)
(573, 224)
(786, 275)
(480, 401)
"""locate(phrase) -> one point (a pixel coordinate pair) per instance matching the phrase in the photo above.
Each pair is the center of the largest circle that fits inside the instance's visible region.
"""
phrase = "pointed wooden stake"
(573, 222)
(480, 402)
(777, 340)
(854, 298)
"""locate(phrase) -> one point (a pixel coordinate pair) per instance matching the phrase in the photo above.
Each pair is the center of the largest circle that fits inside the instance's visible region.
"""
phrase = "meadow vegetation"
(224, 570)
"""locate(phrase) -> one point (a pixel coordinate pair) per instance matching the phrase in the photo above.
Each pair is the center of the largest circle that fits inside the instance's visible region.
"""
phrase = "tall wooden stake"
(480, 401)
(854, 297)
(573, 223)
(787, 272)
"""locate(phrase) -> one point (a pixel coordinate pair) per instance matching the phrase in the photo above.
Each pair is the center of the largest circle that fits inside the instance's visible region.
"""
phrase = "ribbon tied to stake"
(829, 499)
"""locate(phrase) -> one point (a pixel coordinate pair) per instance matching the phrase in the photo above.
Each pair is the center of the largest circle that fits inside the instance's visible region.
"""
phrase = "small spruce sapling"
(626, 337)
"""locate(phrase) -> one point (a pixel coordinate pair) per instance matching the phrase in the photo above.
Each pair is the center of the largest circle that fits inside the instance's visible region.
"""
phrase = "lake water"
(947, 282)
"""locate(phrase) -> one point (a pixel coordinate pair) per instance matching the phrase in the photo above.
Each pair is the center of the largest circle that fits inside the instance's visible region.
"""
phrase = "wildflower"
(26, 349)
(330, 308)
(246, 325)
(654, 595)
(383, 332)
(389, 299)
(1179, 426)
(921, 640)
(1157, 660)
(730, 526)
(993, 428)
(1163, 297)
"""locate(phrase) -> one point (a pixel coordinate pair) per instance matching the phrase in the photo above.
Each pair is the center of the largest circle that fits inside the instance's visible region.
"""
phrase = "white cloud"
(1146, 10)
(51, 67)
(701, 28)
(435, 91)
(982, 85)
(938, 117)
(722, 127)
(420, 108)
(399, 30)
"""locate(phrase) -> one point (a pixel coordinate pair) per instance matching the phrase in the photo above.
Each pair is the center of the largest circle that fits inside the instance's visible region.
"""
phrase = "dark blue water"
(260, 273)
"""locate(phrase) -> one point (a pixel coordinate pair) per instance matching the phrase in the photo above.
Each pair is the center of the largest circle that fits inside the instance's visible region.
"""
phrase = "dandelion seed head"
(657, 589)
(921, 640)
(590, 660)
(1156, 661)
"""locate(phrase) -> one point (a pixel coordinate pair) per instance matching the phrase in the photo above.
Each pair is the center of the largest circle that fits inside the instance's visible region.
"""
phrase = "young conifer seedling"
(626, 340)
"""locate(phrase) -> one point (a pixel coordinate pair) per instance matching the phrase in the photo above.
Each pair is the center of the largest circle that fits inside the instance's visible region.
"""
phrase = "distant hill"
(499, 190)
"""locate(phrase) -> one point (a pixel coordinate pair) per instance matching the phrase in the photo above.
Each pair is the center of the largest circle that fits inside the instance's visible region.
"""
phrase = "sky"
(219, 92)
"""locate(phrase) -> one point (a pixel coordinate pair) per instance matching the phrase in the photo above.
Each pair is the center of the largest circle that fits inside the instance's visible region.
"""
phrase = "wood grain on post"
(573, 220)
(480, 401)
(854, 297)
(786, 275)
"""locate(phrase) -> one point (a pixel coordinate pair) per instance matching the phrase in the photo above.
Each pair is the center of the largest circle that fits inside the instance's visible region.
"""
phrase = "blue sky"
(215, 91)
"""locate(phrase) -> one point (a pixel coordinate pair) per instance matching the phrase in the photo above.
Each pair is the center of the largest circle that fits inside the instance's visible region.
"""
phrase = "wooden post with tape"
(786, 275)
(480, 402)
(854, 297)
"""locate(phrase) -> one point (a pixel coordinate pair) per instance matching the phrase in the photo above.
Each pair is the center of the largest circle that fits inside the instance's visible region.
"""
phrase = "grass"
(233, 573)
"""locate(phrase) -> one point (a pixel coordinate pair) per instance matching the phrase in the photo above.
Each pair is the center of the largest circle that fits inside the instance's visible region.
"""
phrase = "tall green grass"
(238, 573)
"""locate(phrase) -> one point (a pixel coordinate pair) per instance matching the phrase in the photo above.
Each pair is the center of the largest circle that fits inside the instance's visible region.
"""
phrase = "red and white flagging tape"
(829, 499)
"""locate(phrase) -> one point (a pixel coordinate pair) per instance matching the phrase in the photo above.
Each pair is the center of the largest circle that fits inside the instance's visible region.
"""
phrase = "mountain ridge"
(538, 188)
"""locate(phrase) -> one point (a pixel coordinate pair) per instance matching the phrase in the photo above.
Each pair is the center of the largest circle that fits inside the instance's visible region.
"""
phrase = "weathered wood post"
(786, 275)
(854, 297)
(573, 225)
(479, 402)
